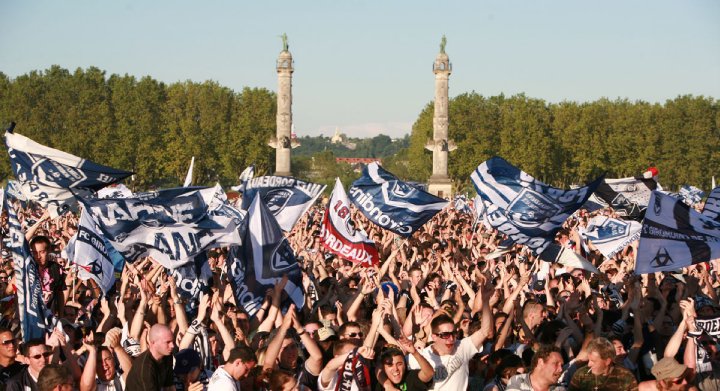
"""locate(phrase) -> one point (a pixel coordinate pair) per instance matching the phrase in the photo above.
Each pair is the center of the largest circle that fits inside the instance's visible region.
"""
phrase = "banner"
(172, 226)
(391, 203)
(461, 204)
(287, 198)
(339, 234)
(35, 319)
(261, 262)
(629, 197)
(712, 205)
(610, 235)
(568, 258)
(528, 211)
(46, 175)
(674, 235)
(192, 279)
(117, 190)
(247, 174)
(691, 195)
(89, 251)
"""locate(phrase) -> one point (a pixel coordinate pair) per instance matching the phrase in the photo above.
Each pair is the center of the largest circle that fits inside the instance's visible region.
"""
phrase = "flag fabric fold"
(712, 205)
(528, 211)
(391, 203)
(287, 198)
(52, 177)
(674, 236)
(262, 260)
(610, 235)
(339, 234)
(629, 197)
(189, 175)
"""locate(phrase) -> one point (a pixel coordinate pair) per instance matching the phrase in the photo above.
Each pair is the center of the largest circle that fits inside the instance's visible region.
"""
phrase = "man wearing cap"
(188, 368)
(669, 375)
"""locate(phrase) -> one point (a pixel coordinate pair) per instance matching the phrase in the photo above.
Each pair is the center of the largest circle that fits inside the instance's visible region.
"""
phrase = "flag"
(89, 251)
(610, 235)
(191, 279)
(391, 203)
(568, 258)
(261, 262)
(36, 319)
(339, 234)
(674, 236)
(712, 205)
(172, 226)
(287, 198)
(629, 197)
(117, 190)
(247, 174)
(461, 204)
(189, 176)
(691, 195)
(528, 211)
(47, 175)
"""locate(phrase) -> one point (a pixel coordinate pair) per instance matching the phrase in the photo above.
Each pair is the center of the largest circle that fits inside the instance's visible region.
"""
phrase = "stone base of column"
(440, 187)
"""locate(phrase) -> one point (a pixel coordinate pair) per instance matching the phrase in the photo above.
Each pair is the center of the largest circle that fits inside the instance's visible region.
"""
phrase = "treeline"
(154, 129)
(143, 125)
(570, 143)
(380, 146)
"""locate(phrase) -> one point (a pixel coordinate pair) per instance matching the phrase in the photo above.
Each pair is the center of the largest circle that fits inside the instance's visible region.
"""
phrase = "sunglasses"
(685, 377)
(9, 342)
(43, 355)
(446, 335)
(355, 335)
(3, 278)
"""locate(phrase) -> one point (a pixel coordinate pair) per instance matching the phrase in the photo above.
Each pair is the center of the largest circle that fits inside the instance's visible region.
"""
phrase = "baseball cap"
(325, 333)
(185, 361)
(668, 368)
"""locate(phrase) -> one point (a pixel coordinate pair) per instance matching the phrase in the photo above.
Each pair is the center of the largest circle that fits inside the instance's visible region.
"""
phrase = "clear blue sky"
(365, 66)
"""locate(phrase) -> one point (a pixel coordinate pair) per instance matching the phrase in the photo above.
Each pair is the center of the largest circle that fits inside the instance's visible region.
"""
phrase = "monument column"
(439, 183)
(283, 142)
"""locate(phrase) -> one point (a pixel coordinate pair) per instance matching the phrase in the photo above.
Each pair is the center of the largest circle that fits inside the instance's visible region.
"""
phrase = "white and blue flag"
(191, 279)
(287, 198)
(391, 203)
(36, 320)
(610, 235)
(172, 226)
(189, 175)
(712, 205)
(461, 204)
(247, 174)
(261, 262)
(674, 236)
(117, 190)
(691, 195)
(629, 197)
(52, 177)
(528, 211)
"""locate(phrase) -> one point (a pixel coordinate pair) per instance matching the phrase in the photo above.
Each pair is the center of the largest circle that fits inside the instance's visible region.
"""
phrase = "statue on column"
(443, 42)
(285, 42)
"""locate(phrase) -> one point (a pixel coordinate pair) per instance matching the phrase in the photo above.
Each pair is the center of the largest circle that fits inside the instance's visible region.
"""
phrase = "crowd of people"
(446, 309)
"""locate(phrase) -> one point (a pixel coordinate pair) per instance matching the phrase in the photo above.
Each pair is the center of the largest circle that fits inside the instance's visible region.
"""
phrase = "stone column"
(439, 183)
(283, 141)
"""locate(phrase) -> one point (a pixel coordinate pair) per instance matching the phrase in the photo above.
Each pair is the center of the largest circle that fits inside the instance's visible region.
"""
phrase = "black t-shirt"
(147, 374)
(11, 370)
(410, 382)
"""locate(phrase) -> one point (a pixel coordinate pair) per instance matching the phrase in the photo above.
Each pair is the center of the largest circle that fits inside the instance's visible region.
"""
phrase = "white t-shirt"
(109, 385)
(451, 371)
(222, 381)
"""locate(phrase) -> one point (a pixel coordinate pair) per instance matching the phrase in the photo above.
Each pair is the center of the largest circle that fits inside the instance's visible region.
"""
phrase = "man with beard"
(669, 375)
(601, 373)
(394, 370)
(545, 370)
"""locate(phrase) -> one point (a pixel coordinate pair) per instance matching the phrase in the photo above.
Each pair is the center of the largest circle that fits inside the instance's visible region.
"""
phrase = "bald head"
(160, 341)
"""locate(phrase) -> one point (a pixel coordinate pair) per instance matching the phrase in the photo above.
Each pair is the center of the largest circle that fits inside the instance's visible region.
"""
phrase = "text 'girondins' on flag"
(629, 197)
(46, 175)
(339, 234)
(391, 203)
(287, 198)
(674, 236)
(36, 320)
(172, 226)
(261, 262)
(610, 235)
(528, 211)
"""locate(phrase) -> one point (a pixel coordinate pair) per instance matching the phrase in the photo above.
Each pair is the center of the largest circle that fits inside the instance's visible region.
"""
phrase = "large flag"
(339, 234)
(712, 205)
(52, 177)
(192, 279)
(629, 197)
(172, 226)
(261, 262)
(247, 174)
(568, 258)
(610, 235)
(674, 235)
(287, 198)
(461, 204)
(89, 250)
(36, 319)
(117, 190)
(391, 203)
(691, 195)
(189, 175)
(528, 211)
